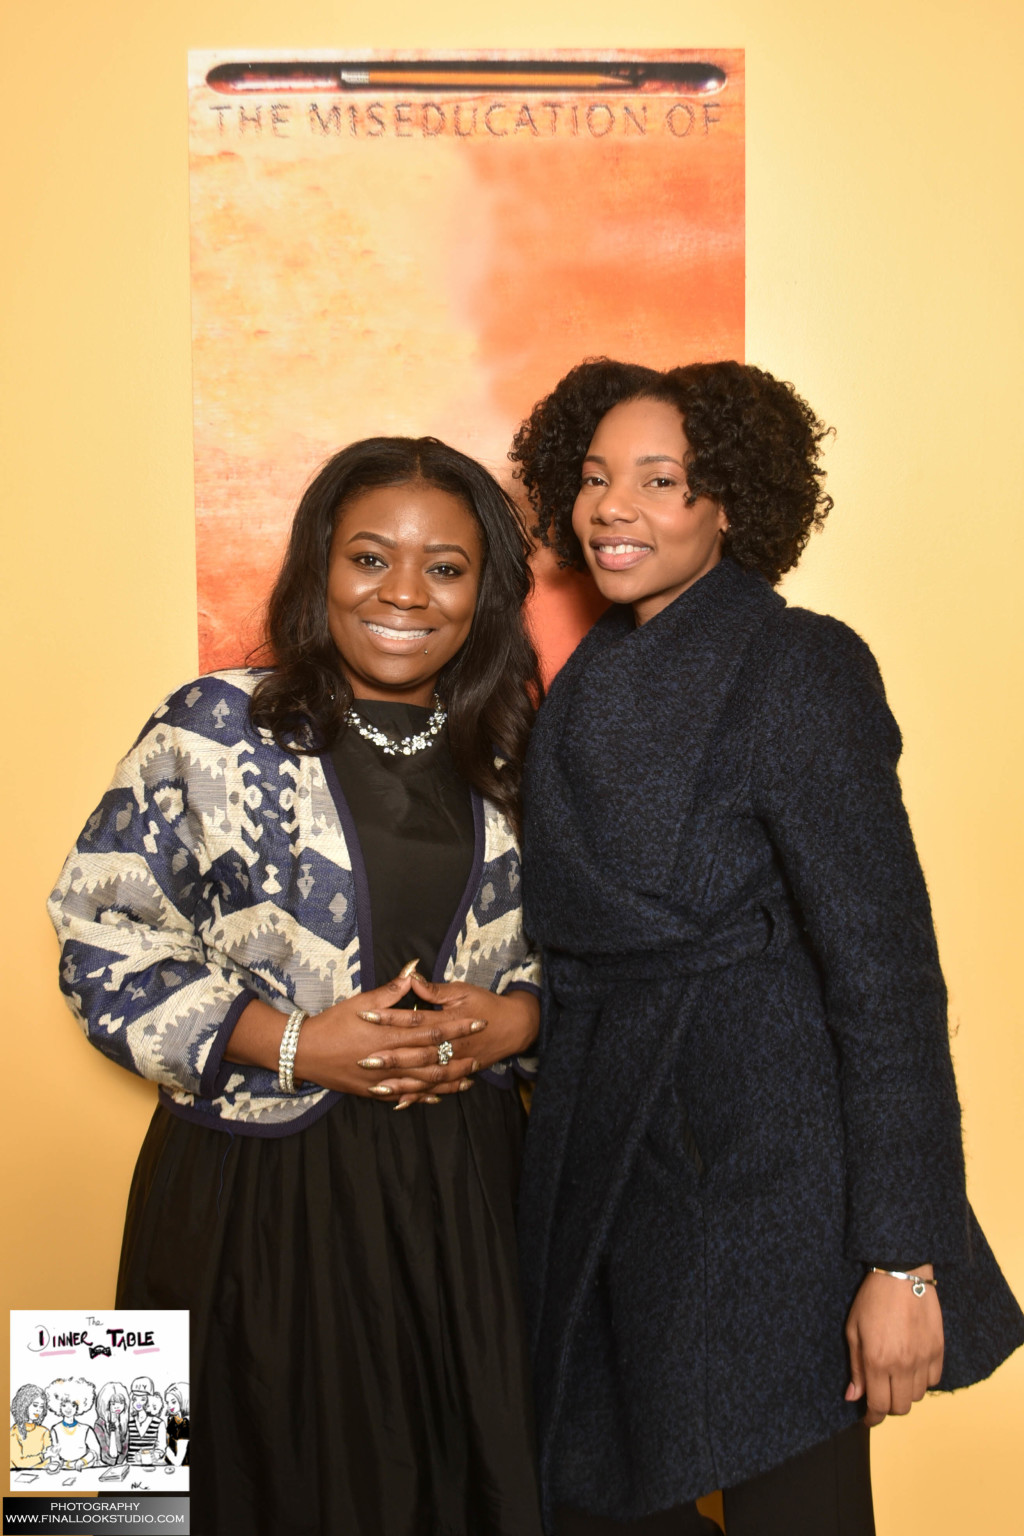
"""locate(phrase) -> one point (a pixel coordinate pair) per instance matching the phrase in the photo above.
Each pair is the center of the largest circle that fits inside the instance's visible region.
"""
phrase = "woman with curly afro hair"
(743, 1195)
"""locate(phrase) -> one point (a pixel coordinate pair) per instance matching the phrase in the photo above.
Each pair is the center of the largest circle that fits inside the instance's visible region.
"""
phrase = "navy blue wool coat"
(746, 1093)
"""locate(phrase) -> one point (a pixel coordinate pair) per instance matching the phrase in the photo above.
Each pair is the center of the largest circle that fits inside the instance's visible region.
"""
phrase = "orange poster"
(424, 244)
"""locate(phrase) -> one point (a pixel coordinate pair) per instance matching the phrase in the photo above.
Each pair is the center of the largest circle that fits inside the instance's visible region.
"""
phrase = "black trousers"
(825, 1491)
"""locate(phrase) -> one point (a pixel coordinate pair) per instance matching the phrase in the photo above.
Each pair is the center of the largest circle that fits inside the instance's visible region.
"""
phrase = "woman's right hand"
(332, 1044)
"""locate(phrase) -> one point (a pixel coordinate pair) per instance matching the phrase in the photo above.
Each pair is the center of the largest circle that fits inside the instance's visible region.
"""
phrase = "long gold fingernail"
(431, 1098)
(477, 1025)
(405, 1104)
(371, 1061)
(467, 1082)
(474, 1066)
(371, 1018)
(407, 969)
(382, 1089)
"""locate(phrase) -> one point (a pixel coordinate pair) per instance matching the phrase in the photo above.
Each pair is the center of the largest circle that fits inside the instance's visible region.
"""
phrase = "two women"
(746, 1135)
(744, 1229)
(290, 863)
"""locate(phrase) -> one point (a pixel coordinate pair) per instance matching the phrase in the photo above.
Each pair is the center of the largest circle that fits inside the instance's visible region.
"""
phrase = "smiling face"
(644, 537)
(36, 1409)
(402, 585)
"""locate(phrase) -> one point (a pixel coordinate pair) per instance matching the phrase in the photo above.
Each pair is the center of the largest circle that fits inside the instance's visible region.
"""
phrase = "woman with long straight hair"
(297, 909)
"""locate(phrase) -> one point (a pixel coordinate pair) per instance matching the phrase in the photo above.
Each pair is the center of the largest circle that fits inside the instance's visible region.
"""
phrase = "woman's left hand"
(512, 1019)
(896, 1344)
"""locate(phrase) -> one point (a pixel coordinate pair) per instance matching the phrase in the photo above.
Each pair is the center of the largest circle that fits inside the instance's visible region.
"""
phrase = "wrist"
(525, 1015)
(289, 1046)
(921, 1279)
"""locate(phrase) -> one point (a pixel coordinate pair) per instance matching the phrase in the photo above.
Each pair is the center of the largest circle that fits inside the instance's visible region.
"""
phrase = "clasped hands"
(367, 1045)
(896, 1344)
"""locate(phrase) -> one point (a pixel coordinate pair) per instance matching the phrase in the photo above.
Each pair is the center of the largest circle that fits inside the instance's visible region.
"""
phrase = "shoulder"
(824, 679)
(821, 646)
(215, 706)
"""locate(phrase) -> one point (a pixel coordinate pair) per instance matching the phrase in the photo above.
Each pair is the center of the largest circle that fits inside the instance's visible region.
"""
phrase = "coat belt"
(766, 928)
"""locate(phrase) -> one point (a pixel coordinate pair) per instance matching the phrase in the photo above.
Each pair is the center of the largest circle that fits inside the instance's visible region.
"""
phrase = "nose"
(613, 505)
(404, 586)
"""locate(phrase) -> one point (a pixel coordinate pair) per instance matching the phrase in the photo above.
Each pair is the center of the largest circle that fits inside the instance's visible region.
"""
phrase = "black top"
(414, 819)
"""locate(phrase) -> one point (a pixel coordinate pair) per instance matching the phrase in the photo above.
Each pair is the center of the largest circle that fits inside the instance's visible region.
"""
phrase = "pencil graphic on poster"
(689, 78)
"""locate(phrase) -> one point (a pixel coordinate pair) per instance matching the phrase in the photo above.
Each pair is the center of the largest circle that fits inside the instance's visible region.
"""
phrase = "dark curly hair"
(489, 686)
(754, 447)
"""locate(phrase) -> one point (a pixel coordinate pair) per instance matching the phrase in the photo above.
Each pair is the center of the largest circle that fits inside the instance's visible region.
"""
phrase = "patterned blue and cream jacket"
(218, 868)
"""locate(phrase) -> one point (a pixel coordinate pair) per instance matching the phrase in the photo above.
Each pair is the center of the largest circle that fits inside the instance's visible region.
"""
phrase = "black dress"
(357, 1346)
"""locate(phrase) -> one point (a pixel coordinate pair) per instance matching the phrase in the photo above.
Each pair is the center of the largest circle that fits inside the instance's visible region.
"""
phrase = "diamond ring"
(445, 1052)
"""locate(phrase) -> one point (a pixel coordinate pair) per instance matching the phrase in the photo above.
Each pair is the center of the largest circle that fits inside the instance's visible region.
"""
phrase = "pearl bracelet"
(289, 1045)
(919, 1281)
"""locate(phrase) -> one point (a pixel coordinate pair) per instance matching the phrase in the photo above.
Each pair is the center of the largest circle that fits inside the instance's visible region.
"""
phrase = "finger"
(434, 1075)
(857, 1384)
(382, 998)
(879, 1396)
(423, 1064)
(417, 1032)
(935, 1368)
(438, 991)
(402, 1086)
(416, 1098)
(409, 1099)
(404, 1059)
(901, 1392)
(447, 1024)
(920, 1383)
(397, 1087)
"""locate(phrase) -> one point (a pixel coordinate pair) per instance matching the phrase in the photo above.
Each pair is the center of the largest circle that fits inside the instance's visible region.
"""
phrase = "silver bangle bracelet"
(289, 1045)
(919, 1281)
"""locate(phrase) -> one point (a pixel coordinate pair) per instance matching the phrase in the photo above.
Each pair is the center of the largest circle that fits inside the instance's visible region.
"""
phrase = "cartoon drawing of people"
(147, 1432)
(72, 1441)
(176, 1409)
(30, 1439)
(112, 1422)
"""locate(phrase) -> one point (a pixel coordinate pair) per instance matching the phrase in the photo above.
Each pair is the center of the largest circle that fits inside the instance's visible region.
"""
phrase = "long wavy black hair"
(489, 686)
(754, 447)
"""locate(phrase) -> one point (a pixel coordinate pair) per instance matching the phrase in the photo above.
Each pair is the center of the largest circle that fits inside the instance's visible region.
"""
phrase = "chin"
(618, 586)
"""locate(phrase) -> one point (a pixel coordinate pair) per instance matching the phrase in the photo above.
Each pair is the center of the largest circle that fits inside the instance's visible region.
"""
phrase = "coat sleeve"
(828, 792)
(134, 969)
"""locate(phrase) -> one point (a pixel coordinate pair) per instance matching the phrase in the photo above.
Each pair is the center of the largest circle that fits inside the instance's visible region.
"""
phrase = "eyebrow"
(428, 549)
(647, 458)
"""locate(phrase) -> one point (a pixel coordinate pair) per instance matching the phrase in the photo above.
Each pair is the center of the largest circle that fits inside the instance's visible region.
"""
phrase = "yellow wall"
(883, 277)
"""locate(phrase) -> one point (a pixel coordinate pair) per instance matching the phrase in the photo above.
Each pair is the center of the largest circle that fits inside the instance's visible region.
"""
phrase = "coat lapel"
(617, 754)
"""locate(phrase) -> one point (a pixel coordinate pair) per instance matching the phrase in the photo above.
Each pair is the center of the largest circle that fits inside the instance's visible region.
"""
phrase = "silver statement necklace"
(406, 746)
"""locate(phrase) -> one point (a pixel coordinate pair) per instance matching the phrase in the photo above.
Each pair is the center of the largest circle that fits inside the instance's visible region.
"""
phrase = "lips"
(396, 639)
(620, 555)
